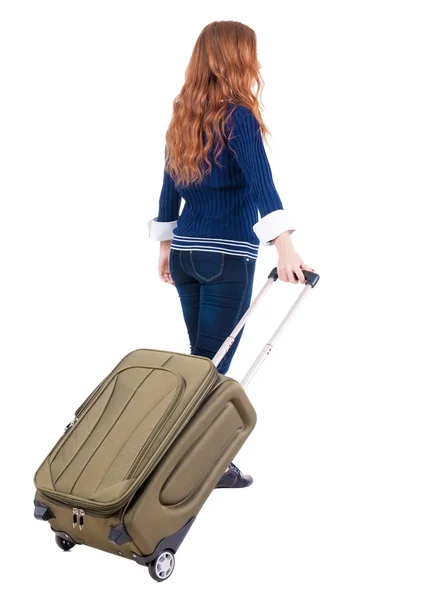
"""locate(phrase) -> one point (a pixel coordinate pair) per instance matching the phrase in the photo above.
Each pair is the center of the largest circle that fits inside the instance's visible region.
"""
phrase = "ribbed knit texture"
(220, 212)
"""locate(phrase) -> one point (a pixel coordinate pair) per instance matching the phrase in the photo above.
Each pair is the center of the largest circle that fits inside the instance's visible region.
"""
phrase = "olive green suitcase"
(145, 450)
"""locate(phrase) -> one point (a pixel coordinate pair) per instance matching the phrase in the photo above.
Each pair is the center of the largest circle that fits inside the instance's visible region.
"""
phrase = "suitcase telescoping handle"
(311, 280)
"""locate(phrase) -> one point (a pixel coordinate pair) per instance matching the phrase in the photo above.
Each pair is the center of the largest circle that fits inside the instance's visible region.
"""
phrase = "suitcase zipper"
(71, 424)
(75, 515)
(81, 518)
(78, 518)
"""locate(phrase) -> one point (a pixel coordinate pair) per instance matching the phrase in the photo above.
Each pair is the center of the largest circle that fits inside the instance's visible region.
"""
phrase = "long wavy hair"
(223, 69)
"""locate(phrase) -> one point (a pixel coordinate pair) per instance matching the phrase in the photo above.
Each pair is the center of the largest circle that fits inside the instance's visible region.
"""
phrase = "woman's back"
(221, 210)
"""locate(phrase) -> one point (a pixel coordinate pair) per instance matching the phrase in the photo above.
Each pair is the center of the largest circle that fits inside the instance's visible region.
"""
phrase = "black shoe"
(234, 478)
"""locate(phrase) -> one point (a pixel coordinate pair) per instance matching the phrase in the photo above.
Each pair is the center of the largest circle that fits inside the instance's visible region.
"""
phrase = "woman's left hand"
(290, 264)
(163, 262)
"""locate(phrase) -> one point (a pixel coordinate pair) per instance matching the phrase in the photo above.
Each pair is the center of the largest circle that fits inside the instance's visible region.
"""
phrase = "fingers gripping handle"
(311, 278)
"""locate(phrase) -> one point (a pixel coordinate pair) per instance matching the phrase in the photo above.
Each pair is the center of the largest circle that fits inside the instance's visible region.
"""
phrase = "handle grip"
(311, 278)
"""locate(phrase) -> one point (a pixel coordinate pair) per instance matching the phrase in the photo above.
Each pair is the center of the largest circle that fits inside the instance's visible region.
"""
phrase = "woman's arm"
(275, 225)
(161, 228)
(290, 264)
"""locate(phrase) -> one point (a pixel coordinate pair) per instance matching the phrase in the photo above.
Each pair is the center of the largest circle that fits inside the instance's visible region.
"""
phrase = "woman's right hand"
(163, 262)
(290, 264)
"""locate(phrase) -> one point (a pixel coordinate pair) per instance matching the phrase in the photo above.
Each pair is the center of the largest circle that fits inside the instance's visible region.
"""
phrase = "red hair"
(223, 68)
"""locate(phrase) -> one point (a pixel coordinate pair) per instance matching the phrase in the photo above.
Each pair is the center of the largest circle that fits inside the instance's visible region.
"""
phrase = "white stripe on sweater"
(211, 249)
(232, 242)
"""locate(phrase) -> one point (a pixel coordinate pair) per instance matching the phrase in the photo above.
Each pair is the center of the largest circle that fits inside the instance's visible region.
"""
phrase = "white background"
(344, 453)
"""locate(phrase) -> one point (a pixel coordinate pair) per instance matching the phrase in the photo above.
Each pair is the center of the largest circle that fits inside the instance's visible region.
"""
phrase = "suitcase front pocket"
(113, 434)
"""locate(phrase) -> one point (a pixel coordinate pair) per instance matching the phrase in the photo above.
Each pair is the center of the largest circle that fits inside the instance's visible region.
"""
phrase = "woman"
(215, 160)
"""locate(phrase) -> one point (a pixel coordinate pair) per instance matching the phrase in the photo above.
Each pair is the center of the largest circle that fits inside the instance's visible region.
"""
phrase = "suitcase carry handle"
(311, 279)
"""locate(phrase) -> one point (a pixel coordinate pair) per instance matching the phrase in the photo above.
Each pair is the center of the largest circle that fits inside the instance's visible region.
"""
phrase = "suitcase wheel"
(63, 544)
(162, 567)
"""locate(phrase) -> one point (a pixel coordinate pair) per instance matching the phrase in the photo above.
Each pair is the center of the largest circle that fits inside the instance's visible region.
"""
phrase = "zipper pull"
(75, 515)
(81, 518)
(70, 425)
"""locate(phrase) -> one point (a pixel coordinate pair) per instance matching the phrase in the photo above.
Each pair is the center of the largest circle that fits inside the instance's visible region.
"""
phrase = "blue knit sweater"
(221, 212)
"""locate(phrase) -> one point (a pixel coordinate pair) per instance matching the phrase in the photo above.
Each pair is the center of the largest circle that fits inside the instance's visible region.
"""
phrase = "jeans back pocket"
(207, 265)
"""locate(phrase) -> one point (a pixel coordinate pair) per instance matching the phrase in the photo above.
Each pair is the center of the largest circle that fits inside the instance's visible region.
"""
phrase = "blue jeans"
(215, 290)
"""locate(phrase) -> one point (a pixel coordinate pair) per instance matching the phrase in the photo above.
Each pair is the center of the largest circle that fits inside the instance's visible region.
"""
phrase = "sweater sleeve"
(247, 144)
(161, 228)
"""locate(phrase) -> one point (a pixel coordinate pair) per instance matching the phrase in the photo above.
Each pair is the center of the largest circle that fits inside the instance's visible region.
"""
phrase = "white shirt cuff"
(269, 227)
(160, 231)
